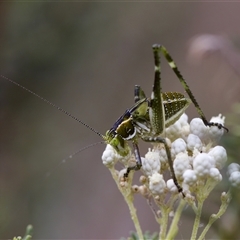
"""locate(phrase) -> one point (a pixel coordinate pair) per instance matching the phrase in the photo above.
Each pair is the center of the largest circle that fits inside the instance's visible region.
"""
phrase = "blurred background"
(86, 58)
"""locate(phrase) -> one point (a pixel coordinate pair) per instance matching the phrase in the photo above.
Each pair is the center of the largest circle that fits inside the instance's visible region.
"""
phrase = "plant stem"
(225, 202)
(163, 223)
(174, 226)
(197, 219)
(128, 196)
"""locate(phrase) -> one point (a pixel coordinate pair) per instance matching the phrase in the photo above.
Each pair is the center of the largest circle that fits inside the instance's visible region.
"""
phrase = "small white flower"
(185, 132)
(220, 156)
(183, 120)
(157, 184)
(163, 156)
(109, 155)
(197, 127)
(233, 167)
(218, 119)
(173, 131)
(215, 133)
(181, 164)
(151, 162)
(178, 146)
(235, 179)
(194, 142)
(215, 174)
(171, 186)
(189, 177)
(202, 164)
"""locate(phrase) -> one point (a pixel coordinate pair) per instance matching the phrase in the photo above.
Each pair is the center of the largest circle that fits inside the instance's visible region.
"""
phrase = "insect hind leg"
(175, 69)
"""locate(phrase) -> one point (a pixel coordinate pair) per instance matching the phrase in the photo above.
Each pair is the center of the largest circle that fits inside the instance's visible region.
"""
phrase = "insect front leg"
(138, 164)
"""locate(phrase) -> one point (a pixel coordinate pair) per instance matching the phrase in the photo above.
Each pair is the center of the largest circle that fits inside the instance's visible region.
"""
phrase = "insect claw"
(129, 169)
(180, 190)
(183, 194)
(210, 124)
(226, 129)
(219, 125)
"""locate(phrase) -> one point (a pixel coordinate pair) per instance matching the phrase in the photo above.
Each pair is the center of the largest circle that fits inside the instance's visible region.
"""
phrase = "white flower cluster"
(110, 156)
(195, 154)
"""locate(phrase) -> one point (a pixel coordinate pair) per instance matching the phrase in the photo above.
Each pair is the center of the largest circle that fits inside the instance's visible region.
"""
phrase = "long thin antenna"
(71, 156)
(53, 105)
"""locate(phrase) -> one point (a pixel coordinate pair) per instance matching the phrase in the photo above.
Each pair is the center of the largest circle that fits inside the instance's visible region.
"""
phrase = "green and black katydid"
(148, 117)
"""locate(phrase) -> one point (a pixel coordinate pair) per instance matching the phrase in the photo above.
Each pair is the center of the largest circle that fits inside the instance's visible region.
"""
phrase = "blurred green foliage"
(28, 234)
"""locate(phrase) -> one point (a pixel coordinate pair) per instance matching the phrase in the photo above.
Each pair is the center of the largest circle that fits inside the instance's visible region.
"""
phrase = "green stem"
(128, 196)
(197, 220)
(174, 226)
(226, 198)
(163, 223)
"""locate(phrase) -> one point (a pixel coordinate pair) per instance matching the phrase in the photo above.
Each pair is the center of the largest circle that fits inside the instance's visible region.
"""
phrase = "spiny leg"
(157, 114)
(186, 87)
(156, 107)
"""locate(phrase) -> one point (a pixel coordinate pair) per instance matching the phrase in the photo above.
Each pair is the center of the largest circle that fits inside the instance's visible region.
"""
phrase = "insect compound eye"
(126, 129)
